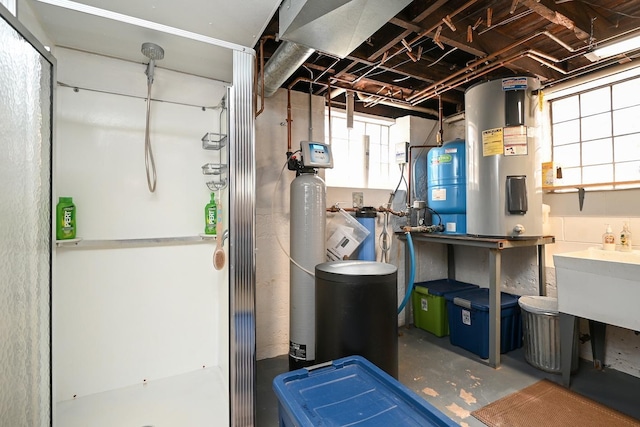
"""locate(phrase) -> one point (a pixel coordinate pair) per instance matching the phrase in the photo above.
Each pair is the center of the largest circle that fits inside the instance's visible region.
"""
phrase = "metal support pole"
(494, 307)
(451, 262)
(542, 271)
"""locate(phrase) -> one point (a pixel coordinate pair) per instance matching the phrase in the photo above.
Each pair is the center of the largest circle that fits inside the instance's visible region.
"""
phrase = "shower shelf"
(132, 243)
(214, 141)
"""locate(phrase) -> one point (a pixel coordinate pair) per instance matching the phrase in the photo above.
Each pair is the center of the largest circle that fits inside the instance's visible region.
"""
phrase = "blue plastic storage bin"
(469, 321)
(351, 392)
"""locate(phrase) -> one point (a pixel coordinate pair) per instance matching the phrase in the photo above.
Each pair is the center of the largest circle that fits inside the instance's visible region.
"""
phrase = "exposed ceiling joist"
(434, 50)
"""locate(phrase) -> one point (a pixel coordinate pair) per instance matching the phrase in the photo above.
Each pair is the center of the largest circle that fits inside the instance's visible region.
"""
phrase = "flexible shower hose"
(149, 162)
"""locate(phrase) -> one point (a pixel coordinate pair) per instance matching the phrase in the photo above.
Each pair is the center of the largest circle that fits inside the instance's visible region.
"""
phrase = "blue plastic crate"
(469, 321)
(351, 392)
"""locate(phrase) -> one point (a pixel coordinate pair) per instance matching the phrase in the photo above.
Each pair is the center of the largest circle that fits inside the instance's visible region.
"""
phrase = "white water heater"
(504, 188)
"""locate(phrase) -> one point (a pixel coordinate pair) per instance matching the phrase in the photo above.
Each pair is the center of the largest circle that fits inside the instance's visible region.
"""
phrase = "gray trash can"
(541, 334)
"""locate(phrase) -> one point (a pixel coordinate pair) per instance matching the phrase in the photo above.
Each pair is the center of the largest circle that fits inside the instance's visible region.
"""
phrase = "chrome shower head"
(152, 51)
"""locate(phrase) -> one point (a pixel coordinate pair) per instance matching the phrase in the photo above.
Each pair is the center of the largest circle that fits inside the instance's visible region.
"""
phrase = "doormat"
(546, 403)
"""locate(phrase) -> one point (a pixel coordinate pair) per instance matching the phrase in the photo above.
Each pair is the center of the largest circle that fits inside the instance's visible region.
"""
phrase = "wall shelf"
(133, 243)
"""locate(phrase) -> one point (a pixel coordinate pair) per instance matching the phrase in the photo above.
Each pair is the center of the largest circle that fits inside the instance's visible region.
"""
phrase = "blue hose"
(412, 274)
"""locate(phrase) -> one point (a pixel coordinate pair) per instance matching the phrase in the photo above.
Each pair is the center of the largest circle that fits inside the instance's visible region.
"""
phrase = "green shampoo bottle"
(210, 216)
(65, 219)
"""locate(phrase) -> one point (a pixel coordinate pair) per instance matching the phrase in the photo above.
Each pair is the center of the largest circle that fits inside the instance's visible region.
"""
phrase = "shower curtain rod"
(202, 107)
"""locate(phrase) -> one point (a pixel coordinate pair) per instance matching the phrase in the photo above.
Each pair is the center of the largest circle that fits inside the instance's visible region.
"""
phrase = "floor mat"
(546, 403)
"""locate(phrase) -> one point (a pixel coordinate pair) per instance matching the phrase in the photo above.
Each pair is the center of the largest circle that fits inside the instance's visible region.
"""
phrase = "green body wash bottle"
(210, 216)
(65, 219)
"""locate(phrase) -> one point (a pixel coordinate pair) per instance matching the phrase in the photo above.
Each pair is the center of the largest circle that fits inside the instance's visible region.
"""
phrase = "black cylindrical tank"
(356, 312)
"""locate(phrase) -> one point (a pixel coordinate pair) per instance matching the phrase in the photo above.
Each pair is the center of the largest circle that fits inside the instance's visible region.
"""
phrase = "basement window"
(362, 156)
(596, 136)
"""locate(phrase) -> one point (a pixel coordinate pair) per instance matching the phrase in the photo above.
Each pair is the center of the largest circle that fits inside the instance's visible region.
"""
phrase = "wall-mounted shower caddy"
(216, 172)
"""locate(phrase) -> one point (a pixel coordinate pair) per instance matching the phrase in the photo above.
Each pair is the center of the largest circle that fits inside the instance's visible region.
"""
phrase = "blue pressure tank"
(447, 186)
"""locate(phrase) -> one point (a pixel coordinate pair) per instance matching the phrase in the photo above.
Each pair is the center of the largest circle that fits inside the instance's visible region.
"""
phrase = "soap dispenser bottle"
(625, 238)
(608, 240)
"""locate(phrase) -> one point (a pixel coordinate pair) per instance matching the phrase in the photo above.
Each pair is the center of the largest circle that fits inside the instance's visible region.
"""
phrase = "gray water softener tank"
(356, 312)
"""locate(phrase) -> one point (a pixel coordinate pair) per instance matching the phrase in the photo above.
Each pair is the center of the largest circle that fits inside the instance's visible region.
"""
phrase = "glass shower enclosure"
(26, 109)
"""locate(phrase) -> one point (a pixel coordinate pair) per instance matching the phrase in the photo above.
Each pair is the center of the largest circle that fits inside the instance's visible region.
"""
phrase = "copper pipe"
(380, 209)
(288, 120)
(440, 137)
(464, 79)
(411, 147)
(416, 39)
(546, 63)
(329, 109)
(434, 88)
(470, 67)
(484, 70)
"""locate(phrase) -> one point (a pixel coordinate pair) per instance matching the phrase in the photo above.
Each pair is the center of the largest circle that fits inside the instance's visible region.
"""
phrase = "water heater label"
(515, 141)
(439, 194)
(492, 142)
(514, 83)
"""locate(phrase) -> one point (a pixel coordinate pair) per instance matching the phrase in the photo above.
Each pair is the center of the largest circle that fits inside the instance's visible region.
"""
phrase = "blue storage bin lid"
(478, 299)
(444, 286)
(352, 391)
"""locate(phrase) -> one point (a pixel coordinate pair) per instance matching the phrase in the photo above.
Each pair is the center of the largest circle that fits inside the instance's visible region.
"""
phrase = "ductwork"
(283, 63)
(335, 27)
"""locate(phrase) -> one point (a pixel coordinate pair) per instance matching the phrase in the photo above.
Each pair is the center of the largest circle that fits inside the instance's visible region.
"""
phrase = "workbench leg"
(494, 307)
(568, 326)
(598, 331)
(542, 271)
(451, 262)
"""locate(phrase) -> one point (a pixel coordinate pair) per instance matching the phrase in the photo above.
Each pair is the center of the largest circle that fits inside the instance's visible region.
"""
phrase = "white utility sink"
(600, 285)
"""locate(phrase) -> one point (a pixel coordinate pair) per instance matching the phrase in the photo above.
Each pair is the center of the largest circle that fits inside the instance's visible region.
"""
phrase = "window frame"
(364, 121)
(584, 140)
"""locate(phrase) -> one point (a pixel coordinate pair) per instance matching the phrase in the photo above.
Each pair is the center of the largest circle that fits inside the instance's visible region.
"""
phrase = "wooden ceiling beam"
(471, 48)
(552, 15)
(419, 18)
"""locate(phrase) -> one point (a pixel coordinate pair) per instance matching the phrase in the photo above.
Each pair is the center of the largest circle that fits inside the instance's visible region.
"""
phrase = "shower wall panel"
(130, 315)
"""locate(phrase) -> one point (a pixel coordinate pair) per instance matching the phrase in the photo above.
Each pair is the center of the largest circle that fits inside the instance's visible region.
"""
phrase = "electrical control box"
(402, 153)
(316, 154)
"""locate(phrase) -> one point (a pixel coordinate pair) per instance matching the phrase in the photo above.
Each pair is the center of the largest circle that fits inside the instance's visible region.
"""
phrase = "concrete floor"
(457, 382)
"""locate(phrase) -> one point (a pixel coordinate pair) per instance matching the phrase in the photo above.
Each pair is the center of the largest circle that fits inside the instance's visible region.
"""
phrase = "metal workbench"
(495, 246)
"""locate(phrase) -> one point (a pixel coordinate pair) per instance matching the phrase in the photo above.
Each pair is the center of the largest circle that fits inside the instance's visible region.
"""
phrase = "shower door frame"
(242, 258)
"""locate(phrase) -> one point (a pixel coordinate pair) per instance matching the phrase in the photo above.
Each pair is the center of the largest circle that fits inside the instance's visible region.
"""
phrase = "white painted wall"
(125, 315)
(576, 230)
(272, 265)
(572, 228)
